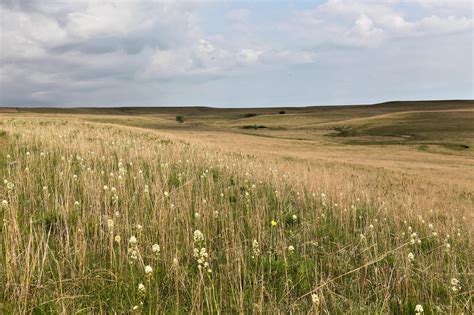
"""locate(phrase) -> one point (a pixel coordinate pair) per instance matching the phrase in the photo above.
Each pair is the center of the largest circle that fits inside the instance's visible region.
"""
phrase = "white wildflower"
(148, 270)
(315, 298)
(455, 285)
(198, 236)
(132, 240)
(418, 309)
(155, 249)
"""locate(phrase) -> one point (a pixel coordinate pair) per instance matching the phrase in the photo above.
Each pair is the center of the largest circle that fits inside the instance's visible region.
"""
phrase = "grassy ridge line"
(326, 237)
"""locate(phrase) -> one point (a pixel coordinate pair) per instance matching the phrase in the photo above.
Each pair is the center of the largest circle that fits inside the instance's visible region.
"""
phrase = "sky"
(234, 53)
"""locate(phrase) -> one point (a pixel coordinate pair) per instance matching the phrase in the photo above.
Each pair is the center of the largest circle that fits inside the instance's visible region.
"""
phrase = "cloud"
(28, 35)
(249, 56)
(368, 23)
(365, 32)
(71, 52)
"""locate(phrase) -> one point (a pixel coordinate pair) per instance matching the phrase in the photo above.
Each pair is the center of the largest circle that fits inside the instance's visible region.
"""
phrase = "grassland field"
(326, 210)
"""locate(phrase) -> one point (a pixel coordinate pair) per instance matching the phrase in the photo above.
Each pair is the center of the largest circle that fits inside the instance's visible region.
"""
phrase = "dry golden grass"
(288, 225)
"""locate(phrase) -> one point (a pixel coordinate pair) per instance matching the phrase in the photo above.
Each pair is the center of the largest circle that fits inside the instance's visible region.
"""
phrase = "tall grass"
(106, 219)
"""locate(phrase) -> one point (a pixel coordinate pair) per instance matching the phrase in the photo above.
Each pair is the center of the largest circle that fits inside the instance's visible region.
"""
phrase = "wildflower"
(135, 308)
(197, 215)
(411, 257)
(455, 285)
(274, 223)
(139, 227)
(167, 194)
(291, 248)
(155, 249)
(118, 238)
(76, 203)
(110, 224)
(216, 214)
(414, 239)
(132, 240)
(295, 217)
(141, 288)
(418, 309)
(371, 226)
(315, 298)
(255, 249)
(10, 186)
(4, 203)
(201, 256)
(148, 270)
(198, 236)
(133, 255)
(106, 187)
(323, 199)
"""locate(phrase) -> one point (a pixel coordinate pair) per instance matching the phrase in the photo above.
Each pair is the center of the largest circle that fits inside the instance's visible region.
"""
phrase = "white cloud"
(26, 35)
(248, 56)
(364, 32)
(168, 63)
(368, 22)
(107, 19)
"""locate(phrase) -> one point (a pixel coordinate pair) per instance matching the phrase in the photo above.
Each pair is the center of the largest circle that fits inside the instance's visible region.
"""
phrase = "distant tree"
(180, 119)
(281, 112)
(248, 115)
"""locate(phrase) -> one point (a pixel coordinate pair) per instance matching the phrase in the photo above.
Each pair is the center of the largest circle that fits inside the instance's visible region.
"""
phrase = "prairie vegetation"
(100, 216)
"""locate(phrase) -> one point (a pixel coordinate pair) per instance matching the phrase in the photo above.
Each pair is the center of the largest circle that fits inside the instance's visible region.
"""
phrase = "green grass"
(450, 130)
(352, 273)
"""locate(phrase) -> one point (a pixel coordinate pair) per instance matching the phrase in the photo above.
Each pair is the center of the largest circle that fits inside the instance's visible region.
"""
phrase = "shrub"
(254, 127)
(248, 115)
(282, 112)
(180, 119)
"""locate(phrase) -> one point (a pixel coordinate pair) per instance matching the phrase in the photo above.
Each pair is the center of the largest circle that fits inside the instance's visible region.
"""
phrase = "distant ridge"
(446, 104)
